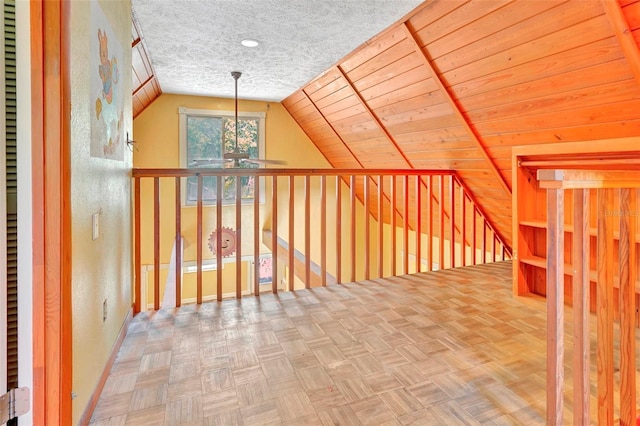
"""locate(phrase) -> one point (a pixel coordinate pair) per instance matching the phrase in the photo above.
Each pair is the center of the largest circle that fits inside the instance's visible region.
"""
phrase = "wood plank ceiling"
(145, 86)
(457, 83)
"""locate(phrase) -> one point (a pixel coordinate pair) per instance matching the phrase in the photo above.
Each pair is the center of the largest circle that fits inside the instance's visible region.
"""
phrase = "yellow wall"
(101, 269)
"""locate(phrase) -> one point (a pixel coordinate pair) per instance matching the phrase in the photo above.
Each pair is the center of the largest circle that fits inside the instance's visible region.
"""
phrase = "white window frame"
(185, 112)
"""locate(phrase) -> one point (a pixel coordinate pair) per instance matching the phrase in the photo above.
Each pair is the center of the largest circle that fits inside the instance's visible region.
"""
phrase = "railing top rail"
(586, 179)
(184, 172)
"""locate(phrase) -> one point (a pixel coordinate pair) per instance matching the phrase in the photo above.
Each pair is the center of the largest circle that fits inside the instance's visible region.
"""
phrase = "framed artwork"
(107, 89)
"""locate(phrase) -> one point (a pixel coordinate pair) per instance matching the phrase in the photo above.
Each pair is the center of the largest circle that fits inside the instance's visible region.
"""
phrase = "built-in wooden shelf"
(541, 262)
(540, 224)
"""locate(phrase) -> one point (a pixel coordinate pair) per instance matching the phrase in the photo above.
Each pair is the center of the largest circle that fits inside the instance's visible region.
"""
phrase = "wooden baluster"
(137, 256)
(418, 224)
(452, 222)
(405, 224)
(292, 248)
(219, 197)
(307, 231)
(238, 237)
(178, 244)
(199, 242)
(555, 304)
(474, 240)
(627, 308)
(352, 204)
(463, 225)
(604, 307)
(156, 243)
(338, 230)
(323, 230)
(256, 235)
(581, 289)
(274, 234)
(380, 226)
(367, 234)
(493, 245)
(393, 226)
(441, 223)
(484, 240)
(430, 223)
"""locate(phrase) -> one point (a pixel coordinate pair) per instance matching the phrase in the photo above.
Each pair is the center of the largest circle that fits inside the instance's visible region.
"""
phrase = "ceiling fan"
(236, 157)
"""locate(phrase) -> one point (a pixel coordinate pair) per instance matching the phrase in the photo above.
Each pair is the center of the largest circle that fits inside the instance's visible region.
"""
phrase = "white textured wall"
(101, 268)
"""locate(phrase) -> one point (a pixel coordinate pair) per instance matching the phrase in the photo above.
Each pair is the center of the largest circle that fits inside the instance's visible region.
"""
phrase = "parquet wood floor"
(443, 348)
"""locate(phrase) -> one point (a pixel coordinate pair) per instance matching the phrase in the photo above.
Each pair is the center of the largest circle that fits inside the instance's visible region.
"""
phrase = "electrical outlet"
(104, 310)
(95, 225)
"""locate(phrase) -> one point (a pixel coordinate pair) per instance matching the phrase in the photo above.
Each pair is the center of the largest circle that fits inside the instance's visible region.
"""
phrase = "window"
(206, 134)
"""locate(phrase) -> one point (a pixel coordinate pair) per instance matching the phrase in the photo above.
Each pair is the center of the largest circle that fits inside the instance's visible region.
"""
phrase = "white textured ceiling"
(194, 45)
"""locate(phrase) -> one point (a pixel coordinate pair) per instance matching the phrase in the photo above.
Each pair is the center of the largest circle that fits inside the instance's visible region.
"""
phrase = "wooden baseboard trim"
(93, 401)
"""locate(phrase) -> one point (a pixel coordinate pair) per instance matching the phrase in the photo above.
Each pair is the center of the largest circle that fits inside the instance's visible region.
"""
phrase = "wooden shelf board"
(540, 224)
(541, 262)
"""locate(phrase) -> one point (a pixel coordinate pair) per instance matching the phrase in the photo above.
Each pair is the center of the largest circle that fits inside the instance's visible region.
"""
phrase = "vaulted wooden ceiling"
(458, 83)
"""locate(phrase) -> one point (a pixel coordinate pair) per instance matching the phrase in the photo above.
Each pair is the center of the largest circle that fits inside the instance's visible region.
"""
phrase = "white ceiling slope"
(194, 45)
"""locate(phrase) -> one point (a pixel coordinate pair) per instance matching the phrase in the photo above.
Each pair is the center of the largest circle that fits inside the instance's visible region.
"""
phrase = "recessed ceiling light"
(249, 42)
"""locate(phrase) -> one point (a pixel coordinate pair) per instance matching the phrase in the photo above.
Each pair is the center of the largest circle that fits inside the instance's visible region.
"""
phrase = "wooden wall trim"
(52, 339)
(456, 109)
(368, 110)
(93, 401)
(624, 35)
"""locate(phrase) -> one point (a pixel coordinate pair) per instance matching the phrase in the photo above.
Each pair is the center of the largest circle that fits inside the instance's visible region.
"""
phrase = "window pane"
(203, 138)
(248, 136)
(211, 137)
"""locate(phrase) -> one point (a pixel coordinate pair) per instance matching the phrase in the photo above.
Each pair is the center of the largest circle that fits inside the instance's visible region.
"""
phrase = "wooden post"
(452, 222)
(463, 225)
(405, 224)
(178, 244)
(137, 255)
(627, 307)
(367, 234)
(604, 307)
(352, 233)
(219, 196)
(338, 230)
(238, 237)
(274, 234)
(156, 243)
(256, 235)
(441, 222)
(323, 230)
(393, 227)
(199, 242)
(292, 273)
(555, 304)
(430, 223)
(418, 228)
(307, 231)
(581, 290)
(380, 226)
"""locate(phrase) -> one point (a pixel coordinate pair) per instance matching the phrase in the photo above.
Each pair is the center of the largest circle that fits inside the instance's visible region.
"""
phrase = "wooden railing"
(616, 192)
(322, 226)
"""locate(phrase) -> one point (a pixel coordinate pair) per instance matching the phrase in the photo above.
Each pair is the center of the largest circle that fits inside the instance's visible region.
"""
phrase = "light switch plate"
(95, 224)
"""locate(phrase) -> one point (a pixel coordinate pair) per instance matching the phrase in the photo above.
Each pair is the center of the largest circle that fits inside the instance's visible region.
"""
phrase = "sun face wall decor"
(228, 246)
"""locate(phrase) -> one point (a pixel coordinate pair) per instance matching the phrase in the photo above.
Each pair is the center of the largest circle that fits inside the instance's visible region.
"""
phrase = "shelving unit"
(529, 211)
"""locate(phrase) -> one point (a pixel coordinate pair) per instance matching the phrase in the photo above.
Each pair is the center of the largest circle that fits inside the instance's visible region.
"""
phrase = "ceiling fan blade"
(207, 162)
(263, 161)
